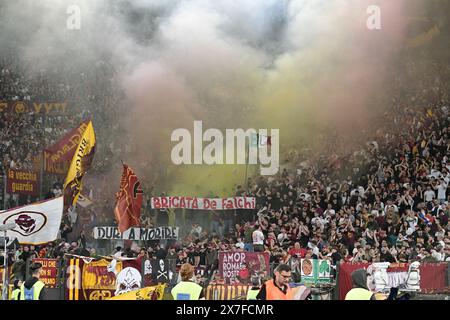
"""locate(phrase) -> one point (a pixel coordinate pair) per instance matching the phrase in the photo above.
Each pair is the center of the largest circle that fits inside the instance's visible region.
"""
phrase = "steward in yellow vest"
(360, 290)
(186, 289)
(15, 295)
(252, 293)
(254, 290)
(33, 288)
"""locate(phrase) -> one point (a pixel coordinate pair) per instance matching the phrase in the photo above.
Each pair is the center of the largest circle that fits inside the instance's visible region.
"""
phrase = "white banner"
(37, 223)
(204, 203)
(136, 233)
(315, 271)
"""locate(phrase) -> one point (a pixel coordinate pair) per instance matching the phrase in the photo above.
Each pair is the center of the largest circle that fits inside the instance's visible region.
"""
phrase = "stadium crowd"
(387, 201)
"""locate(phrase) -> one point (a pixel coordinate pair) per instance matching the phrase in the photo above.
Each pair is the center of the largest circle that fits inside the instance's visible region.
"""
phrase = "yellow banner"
(147, 293)
(81, 162)
(96, 276)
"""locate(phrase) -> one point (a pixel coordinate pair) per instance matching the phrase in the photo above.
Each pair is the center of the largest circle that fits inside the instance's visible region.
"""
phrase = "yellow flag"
(82, 159)
(147, 293)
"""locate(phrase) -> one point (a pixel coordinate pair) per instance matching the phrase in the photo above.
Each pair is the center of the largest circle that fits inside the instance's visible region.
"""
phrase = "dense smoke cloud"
(307, 67)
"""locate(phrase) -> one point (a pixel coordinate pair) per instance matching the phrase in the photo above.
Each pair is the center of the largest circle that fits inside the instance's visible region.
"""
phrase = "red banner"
(49, 271)
(57, 157)
(204, 203)
(22, 182)
(432, 275)
(33, 107)
(237, 267)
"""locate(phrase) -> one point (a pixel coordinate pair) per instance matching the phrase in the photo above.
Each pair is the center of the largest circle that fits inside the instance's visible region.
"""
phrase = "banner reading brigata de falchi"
(203, 203)
(240, 266)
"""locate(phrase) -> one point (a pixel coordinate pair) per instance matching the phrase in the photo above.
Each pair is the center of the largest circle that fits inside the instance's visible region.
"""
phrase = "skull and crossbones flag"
(129, 200)
(160, 270)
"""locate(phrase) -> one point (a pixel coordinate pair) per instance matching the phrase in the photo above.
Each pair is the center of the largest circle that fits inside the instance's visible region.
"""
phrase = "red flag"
(129, 200)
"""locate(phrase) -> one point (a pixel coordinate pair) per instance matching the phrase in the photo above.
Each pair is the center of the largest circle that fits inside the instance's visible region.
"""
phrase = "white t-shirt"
(315, 250)
(240, 245)
(258, 237)
(282, 237)
(429, 195)
(442, 189)
(412, 222)
(438, 256)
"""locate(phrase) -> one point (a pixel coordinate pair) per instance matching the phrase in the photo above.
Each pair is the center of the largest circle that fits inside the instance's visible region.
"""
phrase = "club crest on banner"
(28, 222)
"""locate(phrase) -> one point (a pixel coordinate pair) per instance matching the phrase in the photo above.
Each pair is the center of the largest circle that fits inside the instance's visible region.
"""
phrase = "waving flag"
(424, 218)
(37, 223)
(129, 200)
(81, 162)
(57, 157)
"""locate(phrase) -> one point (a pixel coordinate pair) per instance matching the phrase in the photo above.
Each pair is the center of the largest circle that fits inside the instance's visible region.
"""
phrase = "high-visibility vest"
(274, 293)
(186, 290)
(252, 293)
(33, 292)
(15, 294)
(359, 294)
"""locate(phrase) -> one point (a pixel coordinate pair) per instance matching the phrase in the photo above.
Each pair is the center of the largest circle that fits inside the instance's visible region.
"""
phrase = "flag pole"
(41, 177)
(246, 166)
(5, 184)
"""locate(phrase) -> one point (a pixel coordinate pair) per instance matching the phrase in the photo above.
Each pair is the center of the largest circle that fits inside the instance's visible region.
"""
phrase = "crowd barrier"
(69, 282)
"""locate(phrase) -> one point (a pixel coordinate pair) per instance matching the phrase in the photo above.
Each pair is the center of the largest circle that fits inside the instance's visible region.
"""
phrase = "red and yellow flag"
(129, 201)
(81, 162)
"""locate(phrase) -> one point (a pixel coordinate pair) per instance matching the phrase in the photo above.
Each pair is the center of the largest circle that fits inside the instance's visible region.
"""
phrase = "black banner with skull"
(158, 271)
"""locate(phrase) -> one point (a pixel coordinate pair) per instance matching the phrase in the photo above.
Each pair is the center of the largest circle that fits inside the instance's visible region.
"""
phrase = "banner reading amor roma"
(242, 265)
(203, 203)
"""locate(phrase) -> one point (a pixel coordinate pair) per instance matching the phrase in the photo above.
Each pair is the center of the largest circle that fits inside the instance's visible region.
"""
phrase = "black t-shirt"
(161, 253)
(336, 256)
(275, 203)
(386, 257)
